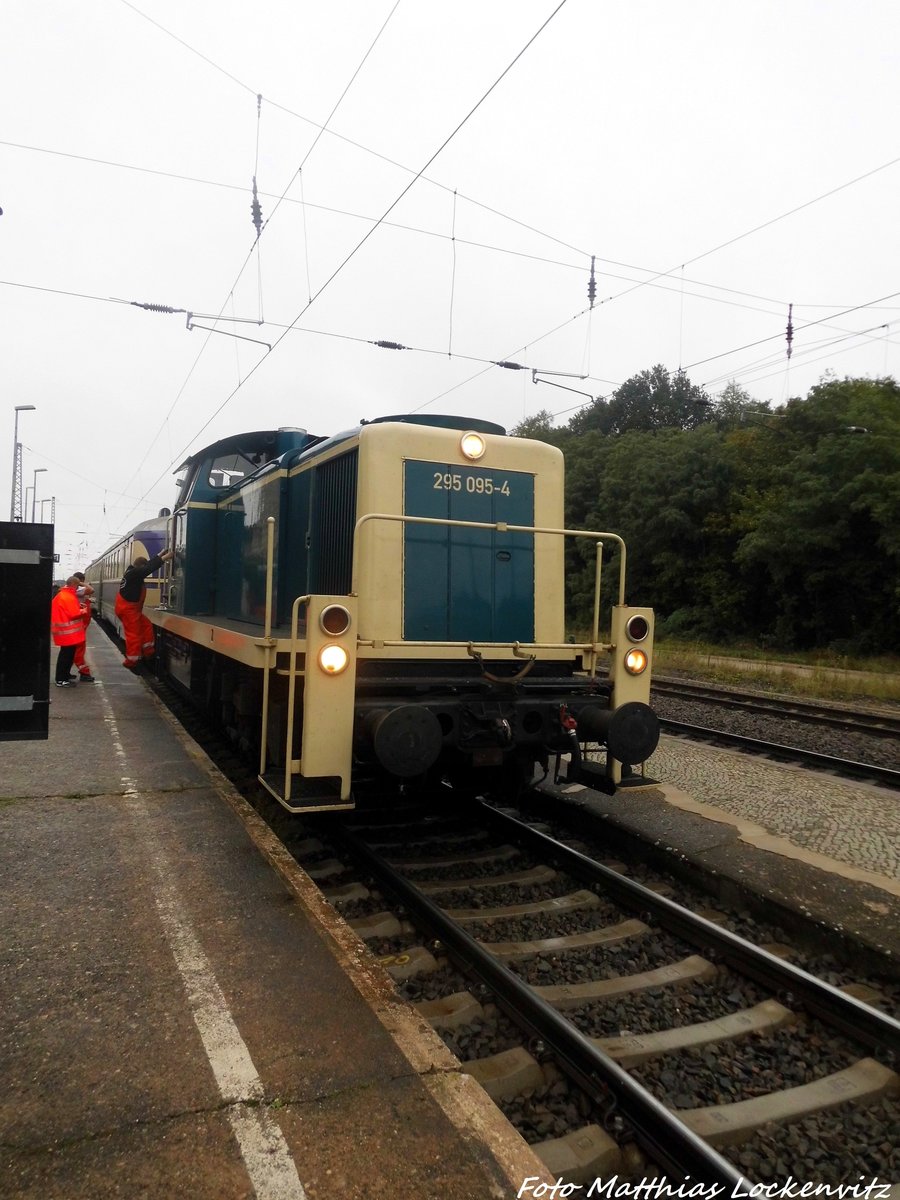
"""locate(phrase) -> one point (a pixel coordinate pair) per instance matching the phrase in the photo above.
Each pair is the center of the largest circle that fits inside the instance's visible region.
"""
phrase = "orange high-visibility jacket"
(66, 618)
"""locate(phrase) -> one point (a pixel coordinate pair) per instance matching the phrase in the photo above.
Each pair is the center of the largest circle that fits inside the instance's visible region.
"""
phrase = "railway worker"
(84, 592)
(67, 629)
(139, 644)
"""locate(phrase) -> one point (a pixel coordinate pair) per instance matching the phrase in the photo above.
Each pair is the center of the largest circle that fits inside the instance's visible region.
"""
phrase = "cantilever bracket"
(191, 324)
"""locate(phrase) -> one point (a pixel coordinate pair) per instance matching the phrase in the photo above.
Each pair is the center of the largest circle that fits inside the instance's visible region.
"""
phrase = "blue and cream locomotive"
(389, 602)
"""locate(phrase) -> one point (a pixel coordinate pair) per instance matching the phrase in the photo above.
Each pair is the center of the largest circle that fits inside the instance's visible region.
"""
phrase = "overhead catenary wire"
(305, 240)
(255, 247)
(657, 284)
(720, 246)
(770, 360)
(256, 214)
(397, 200)
(487, 208)
(390, 208)
(773, 311)
(493, 362)
(825, 343)
(881, 331)
(808, 325)
(324, 128)
(653, 272)
(452, 276)
(310, 289)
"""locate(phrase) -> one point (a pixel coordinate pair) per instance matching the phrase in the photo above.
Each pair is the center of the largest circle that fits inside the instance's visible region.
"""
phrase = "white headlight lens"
(472, 445)
(333, 659)
(635, 662)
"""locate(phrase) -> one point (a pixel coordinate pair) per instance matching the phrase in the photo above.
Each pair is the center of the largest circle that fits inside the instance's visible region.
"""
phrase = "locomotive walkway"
(180, 1013)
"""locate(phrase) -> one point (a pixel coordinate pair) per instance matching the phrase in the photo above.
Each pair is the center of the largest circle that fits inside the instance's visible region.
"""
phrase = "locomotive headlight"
(637, 627)
(635, 661)
(334, 620)
(333, 659)
(472, 445)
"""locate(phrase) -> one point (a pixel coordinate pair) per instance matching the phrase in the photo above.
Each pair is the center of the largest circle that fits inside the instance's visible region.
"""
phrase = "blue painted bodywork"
(459, 584)
(467, 584)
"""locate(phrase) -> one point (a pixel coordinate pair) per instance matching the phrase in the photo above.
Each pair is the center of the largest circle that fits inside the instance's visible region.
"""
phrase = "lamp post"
(16, 496)
(52, 502)
(37, 471)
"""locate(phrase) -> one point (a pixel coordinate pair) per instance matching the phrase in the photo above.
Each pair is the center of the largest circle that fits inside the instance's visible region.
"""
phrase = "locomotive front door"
(461, 584)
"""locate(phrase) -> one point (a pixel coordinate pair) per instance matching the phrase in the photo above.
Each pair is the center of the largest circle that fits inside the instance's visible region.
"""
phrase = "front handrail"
(498, 527)
(503, 527)
(292, 690)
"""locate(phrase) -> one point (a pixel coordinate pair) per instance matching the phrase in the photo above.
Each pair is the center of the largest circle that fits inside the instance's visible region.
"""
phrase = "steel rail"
(853, 1017)
(826, 762)
(668, 1142)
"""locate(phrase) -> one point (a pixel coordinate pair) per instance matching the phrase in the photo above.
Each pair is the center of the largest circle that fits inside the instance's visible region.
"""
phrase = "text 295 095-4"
(446, 481)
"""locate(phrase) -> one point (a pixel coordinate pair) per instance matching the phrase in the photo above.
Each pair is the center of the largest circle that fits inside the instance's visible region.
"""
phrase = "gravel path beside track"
(853, 823)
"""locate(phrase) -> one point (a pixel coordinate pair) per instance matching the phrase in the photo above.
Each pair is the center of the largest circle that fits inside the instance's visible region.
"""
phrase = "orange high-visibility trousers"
(83, 668)
(139, 642)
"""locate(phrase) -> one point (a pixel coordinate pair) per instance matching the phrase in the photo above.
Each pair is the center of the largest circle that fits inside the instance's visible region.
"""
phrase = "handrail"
(292, 692)
(503, 527)
(267, 634)
(498, 527)
(168, 575)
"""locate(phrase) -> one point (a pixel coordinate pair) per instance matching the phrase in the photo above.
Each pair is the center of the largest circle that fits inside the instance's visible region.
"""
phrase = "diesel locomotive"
(389, 602)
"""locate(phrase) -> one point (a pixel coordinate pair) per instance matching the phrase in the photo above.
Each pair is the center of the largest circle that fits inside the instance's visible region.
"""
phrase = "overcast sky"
(720, 160)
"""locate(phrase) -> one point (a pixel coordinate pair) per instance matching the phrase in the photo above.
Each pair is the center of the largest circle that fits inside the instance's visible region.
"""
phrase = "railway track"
(872, 723)
(622, 1034)
(760, 1009)
(851, 744)
(811, 759)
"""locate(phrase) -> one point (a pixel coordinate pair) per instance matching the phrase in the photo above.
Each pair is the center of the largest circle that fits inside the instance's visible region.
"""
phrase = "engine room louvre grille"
(331, 525)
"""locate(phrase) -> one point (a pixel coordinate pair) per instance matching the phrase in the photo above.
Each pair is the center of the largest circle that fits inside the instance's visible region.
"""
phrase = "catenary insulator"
(157, 308)
(256, 210)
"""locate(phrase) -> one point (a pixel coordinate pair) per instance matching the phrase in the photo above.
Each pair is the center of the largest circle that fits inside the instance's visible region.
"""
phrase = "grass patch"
(820, 674)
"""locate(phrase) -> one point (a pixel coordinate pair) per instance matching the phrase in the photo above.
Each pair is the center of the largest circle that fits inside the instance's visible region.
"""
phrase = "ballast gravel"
(835, 1147)
(740, 1070)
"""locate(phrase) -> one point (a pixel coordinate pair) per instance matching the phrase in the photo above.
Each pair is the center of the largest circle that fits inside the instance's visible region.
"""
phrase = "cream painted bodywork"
(377, 598)
(383, 450)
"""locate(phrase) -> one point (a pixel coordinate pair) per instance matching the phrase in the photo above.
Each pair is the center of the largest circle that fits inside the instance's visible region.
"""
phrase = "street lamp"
(52, 502)
(16, 497)
(37, 471)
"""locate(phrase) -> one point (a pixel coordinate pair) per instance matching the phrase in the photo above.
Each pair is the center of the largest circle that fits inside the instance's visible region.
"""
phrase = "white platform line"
(266, 1156)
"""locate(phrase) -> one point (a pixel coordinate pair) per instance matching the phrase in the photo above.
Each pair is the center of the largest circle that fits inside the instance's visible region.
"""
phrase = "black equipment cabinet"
(26, 589)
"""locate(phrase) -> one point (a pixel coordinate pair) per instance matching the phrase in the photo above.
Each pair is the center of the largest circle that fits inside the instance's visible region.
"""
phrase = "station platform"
(181, 1014)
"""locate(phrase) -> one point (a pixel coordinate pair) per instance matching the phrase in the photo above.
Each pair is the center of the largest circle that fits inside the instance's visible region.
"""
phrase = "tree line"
(742, 521)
